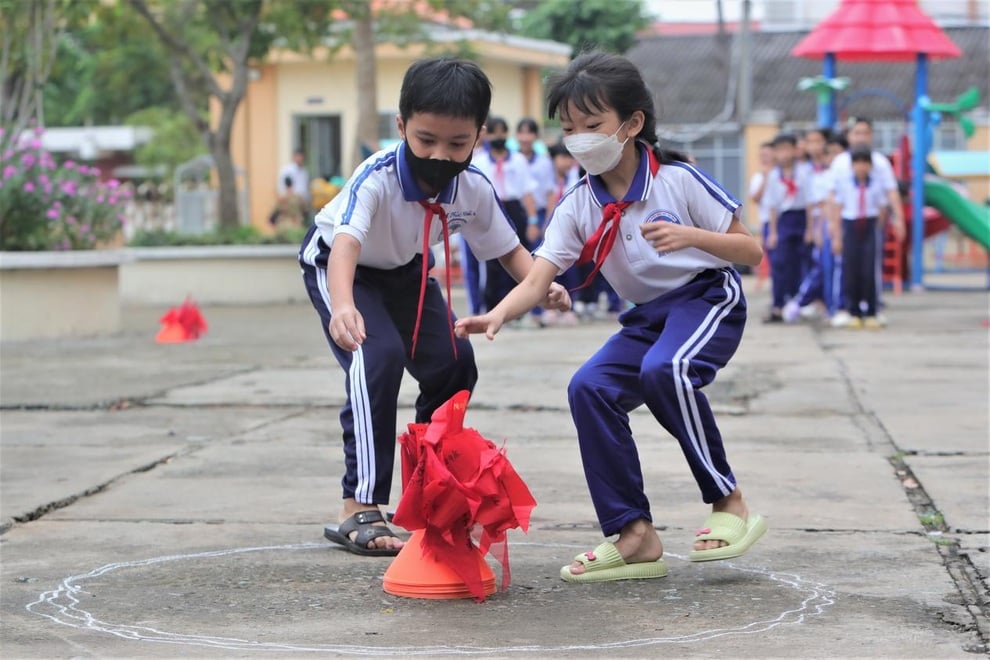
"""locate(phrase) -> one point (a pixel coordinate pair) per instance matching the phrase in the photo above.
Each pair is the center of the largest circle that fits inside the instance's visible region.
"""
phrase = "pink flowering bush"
(50, 206)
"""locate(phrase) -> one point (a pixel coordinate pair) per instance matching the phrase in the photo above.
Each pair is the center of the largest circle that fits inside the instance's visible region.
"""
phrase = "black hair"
(495, 123)
(300, 151)
(446, 86)
(860, 120)
(860, 154)
(597, 82)
(558, 149)
(768, 143)
(529, 125)
(784, 138)
(839, 139)
(826, 133)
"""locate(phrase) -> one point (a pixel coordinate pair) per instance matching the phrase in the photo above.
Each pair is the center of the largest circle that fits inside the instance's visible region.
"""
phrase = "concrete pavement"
(162, 501)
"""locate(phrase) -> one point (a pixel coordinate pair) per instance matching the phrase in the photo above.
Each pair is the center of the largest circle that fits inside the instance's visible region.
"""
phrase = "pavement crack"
(64, 502)
(971, 586)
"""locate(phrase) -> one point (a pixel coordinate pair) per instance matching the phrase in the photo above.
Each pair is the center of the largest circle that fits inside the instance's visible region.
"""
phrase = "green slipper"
(604, 563)
(738, 533)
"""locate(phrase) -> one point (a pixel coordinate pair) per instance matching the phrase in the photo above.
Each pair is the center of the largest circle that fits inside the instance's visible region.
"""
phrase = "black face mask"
(434, 173)
(498, 144)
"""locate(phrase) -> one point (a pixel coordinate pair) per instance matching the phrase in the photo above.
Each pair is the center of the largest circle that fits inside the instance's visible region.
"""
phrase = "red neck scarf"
(434, 209)
(789, 183)
(601, 242)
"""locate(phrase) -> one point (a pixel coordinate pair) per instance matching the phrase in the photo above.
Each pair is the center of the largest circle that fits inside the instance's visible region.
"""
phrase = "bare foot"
(638, 542)
(732, 503)
(352, 506)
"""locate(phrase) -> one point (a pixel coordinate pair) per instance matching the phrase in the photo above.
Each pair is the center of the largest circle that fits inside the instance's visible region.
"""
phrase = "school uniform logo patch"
(457, 219)
(665, 216)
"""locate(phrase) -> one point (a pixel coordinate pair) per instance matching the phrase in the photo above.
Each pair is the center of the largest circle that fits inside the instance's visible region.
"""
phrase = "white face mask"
(595, 152)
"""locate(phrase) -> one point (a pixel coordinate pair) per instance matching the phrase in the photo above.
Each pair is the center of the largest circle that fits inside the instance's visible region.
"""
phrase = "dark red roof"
(877, 31)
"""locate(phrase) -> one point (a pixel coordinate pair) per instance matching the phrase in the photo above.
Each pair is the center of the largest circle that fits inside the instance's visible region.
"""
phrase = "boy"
(861, 198)
(365, 265)
(788, 196)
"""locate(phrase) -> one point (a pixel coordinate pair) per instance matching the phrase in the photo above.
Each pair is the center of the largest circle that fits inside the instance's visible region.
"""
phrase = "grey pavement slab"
(181, 492)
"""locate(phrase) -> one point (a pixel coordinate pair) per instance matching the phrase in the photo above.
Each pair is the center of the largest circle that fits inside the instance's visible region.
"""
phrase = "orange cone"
(414, 575)
(172, 333)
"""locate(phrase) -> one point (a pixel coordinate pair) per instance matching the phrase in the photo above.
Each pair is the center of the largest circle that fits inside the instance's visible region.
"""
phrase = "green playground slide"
(972, 218)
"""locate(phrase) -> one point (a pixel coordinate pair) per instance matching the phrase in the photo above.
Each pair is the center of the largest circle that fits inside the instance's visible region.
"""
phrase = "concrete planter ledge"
(215, 252)
(63, 259)
(49, 295)
(213, 275)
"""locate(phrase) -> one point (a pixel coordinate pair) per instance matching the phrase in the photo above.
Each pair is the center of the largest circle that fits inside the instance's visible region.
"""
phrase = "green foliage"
(175, 139)
(248, 235)
(44, 206)
(107, 69)
(609, 25)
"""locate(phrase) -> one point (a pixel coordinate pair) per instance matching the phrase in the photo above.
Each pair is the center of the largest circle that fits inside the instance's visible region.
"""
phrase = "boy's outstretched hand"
(488, 323)
(558, 298)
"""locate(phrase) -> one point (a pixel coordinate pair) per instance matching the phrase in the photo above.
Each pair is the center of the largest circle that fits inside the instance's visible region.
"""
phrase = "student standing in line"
(665, 235)
(509, 174)
(366, 263)
(788, 197)
(861, 199)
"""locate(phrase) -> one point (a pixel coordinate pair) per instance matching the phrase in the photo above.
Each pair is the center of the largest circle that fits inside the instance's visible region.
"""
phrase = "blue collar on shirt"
(642, 182)
(856, 182)
(411, 191)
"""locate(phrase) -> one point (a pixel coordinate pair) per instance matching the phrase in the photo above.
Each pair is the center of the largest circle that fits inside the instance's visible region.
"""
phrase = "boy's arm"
(346, 322)
(517, 263)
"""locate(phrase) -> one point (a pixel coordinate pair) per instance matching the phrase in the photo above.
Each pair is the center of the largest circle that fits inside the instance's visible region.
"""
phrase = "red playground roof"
(877, 31)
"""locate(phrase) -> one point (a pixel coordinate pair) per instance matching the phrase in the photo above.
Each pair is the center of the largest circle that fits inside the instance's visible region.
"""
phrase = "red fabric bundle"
(455, 484)
(183, 323)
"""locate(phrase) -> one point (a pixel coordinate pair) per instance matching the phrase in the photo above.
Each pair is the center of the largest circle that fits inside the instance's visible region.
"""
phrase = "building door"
(319, 136)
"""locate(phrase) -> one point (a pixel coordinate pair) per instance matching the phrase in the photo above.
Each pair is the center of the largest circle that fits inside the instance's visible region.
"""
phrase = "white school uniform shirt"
(848, 196)
(544, 181)
(299, 177)
(513, 181)
(379, 207)
(755, 183)
(673, 192)
(778, 197)
(882, 170)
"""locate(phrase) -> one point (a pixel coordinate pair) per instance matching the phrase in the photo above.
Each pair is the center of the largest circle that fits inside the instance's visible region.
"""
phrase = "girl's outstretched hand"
(558, 298)
(474, 325)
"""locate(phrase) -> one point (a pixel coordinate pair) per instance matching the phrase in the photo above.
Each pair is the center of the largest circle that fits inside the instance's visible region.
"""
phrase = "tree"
(107, 69)
(609, 25)
(212, 40)
(29, 35)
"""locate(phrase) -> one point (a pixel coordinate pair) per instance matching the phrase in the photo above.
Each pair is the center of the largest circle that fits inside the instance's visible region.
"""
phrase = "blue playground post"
(826, 111)
(919, 156)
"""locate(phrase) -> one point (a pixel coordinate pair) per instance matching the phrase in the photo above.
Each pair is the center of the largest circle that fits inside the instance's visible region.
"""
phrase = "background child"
(664, 235)
(861, 198)
(509, 173)
(788, 198)
(365, 266)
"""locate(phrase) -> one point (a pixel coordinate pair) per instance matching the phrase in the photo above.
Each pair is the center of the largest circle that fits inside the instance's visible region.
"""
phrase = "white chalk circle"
(63, 605)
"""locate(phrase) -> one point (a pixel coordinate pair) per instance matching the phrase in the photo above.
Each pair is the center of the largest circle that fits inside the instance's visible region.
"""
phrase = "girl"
(664, 235)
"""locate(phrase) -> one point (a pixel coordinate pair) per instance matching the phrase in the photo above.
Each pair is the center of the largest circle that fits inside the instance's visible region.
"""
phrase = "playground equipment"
(886, 31)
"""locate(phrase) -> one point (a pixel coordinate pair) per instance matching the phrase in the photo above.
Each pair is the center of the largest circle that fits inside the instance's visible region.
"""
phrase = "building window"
(319, 137)
(388, 132)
